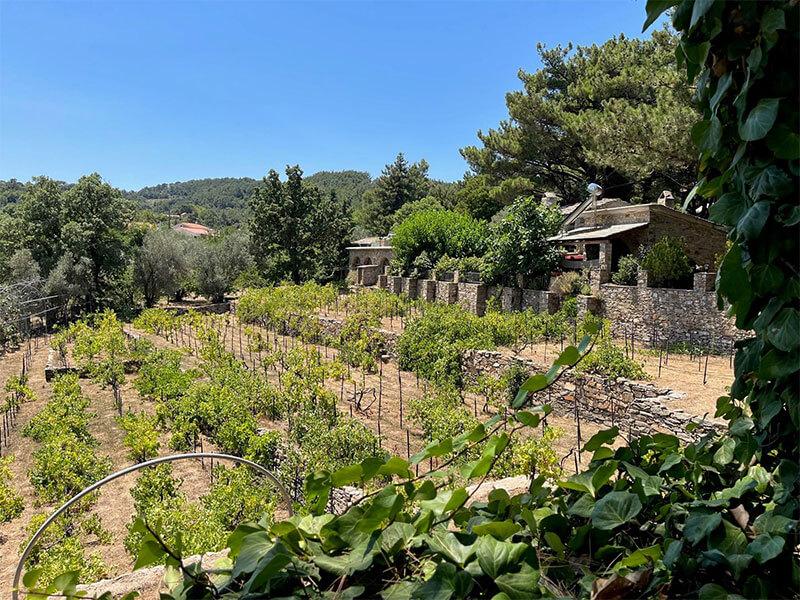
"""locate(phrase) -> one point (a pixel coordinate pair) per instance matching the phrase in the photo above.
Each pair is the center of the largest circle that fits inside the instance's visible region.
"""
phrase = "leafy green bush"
(440, 414)
(432, 343)
(64, 414)
(570, 284)
(332, 447)
(63, 466)
(360, 342)
(535, 456)
(237, 496)
(438, 233)
(467, 264)
(141, 436)
(609, 360)
(518, 244)
(627, 272)
(667, 264)
(11, 504)
(62, 548)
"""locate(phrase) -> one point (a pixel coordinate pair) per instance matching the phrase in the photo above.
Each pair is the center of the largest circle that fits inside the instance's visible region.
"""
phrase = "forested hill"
(217, 202)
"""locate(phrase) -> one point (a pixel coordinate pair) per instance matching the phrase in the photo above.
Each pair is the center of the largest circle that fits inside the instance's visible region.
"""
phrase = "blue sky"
(148, 92)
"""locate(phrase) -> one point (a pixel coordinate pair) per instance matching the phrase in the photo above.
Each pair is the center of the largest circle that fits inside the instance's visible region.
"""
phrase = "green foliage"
(64, 414)
(160, 376)
(398, 184)
(467, 264)
(360, 342)
(296, 232)
(441, 414)
(627, 272)
(609, 360)
(11, 503)
(518, 242)
(432, 343)
(238, 496)
(570, 284)
(415, 206)
(63, 466)
(62, 549)
(141, 436)
(667, 264)
(286, 306)
(162, 265)
(618, 113)
(438, 233)
(536, 456)
(218, 262)
(326, 446)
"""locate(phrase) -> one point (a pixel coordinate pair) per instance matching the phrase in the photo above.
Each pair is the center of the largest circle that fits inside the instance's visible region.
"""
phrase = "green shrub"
(467, 264)
(360, 342)
(536, 456)
(432, 343)
(62, 548)
(237, 496)
(627, 271)
(570, 284)
(332, 447)
(63, 466)
(667, 264)
(519, 242)
(141, 437)
(438, 233)
(11, 504)
(64, 414)
(440, 414)
(609, 360)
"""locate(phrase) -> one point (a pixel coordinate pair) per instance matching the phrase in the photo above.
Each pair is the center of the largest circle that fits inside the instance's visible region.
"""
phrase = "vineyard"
(298, 379)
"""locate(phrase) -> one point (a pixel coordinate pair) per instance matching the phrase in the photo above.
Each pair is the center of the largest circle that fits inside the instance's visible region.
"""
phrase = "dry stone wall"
(659, 315)
(636, 408)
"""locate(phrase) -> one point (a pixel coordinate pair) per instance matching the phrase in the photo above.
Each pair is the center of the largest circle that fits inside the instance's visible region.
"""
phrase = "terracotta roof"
(193, 229)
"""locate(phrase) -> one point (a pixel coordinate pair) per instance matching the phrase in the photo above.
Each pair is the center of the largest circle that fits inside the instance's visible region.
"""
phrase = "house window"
(592, 251)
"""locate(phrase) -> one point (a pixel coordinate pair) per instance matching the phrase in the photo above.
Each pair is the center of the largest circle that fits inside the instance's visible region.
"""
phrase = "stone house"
(596, 233)
(368, 258)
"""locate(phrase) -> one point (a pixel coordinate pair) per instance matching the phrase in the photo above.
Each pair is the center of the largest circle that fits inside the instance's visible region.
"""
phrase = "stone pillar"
(426, 290)
(410, 287)
(472, 297)
(590, 304)
(704, 282)
(383, 281)
(642, 280)
(446, 292)
(396, 285)
(604, 273)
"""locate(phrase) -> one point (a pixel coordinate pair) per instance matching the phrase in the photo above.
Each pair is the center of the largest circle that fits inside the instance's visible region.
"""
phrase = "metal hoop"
(155, 461)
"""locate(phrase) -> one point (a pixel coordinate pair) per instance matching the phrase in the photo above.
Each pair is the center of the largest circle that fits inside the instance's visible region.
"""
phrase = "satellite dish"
(594, 189)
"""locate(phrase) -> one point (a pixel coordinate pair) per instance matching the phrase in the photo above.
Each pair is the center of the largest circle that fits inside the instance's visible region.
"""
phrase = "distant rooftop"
(193, 229)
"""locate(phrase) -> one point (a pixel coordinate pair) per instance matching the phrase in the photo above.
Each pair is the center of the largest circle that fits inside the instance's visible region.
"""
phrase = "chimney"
(666, 199)
(551, 199)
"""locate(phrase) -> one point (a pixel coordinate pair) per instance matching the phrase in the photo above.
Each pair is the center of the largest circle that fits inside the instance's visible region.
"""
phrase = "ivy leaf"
(765, 547)
(772, 20)
(518, 585)
(724, 454)
(771, 182)
(753, 221)
(707, 134)
(527, 418)
(496, 557)
(699, 9)
(766, 278)
(615, 509)
(784, 331)
(784, 142)
(254, 546)
(695, 53)
(655, 8)
(769, 522)
(728, 209)
(150, 553)
(346, 475)
(700, 525)
(446, 582)
(760, 120)
(712, 591)
(396, 466)
(568, 356)
(447, 543)
(638, 558)
(497, 529)
(777, 364)
(605, 436)
(722, 86)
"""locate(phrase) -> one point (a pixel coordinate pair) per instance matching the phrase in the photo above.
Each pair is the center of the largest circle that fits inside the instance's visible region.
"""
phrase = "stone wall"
(659, 315)
(636, 408)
